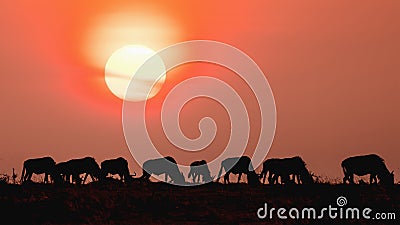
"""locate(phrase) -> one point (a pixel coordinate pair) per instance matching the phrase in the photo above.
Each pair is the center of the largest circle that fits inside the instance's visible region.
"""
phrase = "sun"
(120, 71)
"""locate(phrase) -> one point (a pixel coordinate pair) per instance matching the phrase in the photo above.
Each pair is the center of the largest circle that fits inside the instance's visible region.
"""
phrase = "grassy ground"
(159, 203)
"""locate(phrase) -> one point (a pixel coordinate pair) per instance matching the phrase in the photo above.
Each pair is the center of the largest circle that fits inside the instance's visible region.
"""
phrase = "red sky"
(333, 67)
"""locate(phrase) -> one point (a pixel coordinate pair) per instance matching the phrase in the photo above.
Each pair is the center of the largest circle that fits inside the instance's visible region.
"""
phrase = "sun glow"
(121, 68)
(108, 32)
(111, 31)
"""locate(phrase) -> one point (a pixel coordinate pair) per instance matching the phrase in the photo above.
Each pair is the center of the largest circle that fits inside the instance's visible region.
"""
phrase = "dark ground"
(160, 203)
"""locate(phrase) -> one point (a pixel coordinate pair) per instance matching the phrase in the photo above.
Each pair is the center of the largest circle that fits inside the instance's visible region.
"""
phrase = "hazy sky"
(333, 67)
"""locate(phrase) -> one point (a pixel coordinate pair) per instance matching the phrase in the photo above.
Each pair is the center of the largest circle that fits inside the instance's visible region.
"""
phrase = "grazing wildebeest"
(76, 167)
(64, 171)
(238, 165)
(38, 166)
(200, 168)
(116, 166)
(167, 166)
(362, 165)
(272, 168)
(285, 167)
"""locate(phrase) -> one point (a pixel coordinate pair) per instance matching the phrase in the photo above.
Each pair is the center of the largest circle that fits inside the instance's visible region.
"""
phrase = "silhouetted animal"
(253, 178)
(285, 167)
(237, 165)
(64, 171)
(362, 165)
(200, 168)
(169, 158)
(166, 165)
(116, 166)
(38, 166)
(75, 167)
(272, 168)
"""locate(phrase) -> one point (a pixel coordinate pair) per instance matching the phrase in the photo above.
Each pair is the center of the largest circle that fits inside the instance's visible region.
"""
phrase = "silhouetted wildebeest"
(76, 167)
(116, 166)
(166, 165)
(64, 171)
(238, 165)
(38, 166)
(272, 168)
(362, 165)
(200, 168)
(285, 167)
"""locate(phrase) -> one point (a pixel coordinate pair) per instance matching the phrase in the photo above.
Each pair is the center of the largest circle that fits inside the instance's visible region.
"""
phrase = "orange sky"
(332, 65)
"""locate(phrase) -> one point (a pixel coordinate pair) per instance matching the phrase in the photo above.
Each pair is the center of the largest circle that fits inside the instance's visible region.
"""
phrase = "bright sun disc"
(121, 68)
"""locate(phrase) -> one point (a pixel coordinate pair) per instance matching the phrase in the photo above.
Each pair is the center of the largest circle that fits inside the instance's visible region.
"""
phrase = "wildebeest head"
(179, 179)
(92, 167)
(253, 178)
(171, 159)
(208, 178)
(387, 178)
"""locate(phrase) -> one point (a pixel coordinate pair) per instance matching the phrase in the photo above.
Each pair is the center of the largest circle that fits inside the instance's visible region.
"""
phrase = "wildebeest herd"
(280, 170)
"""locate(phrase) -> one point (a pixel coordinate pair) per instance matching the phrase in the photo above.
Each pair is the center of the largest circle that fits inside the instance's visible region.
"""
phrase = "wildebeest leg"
(75, 178)
(275, 178)
(376, 179)
(351, 178)
(348, 177)
(92, 177)
(46, 178)
(240, 175)
(288, 179)
(296, 177)
(264, 175)
(166, 178)
(345, 179)
(24, 177)
(29, 176)
(84, 179)
(145, 175)
(279, 179)
(372, 179)
(70, 178)
(270, 177)
(226, 178)
(285, 179)
(194, 179)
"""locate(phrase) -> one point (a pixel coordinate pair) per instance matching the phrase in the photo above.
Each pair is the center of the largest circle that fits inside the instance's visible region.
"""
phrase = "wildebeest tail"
(344, 167)
(219, 173)
(190, 173)
(145, 175)
(23, 173)
(251, 168)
